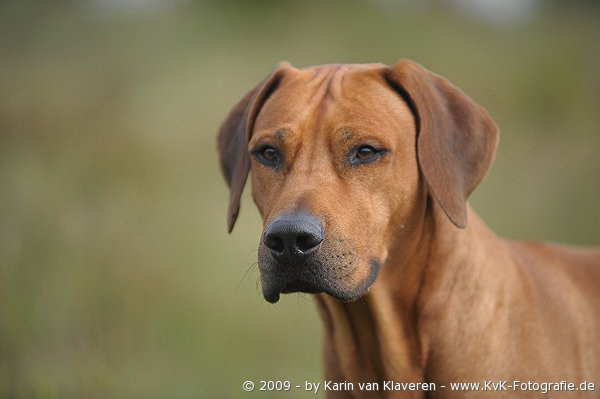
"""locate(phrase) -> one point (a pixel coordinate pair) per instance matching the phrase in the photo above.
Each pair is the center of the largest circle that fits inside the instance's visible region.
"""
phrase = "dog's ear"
(233, 137)
(456, 140)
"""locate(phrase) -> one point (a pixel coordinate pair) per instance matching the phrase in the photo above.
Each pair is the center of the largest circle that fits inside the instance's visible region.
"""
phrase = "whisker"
(248, 271)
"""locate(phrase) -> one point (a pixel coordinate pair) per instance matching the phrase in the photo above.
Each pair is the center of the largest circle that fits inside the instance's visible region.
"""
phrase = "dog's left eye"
(365, 154)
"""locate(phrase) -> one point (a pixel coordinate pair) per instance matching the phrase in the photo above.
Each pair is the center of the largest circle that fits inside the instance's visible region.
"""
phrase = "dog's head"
(343, 158)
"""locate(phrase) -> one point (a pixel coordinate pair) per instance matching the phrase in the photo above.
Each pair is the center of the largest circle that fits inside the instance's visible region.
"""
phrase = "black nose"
(294, 236)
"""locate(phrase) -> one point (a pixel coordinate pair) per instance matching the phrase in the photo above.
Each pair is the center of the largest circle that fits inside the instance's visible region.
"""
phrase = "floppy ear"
(457, 138)
(233, 137)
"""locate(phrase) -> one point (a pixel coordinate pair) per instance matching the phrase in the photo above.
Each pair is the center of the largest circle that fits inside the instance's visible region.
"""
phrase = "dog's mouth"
(313, 282)
(273, 287)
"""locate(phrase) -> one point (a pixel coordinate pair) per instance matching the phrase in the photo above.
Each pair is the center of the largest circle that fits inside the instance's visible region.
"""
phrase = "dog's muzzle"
(292, 240)
(295, 256)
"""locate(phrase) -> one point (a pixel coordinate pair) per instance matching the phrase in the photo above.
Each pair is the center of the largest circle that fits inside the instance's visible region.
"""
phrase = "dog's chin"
(300, 286)
(272, 293)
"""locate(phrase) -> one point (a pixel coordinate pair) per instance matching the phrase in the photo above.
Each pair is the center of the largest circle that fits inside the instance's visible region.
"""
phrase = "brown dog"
(361, 174)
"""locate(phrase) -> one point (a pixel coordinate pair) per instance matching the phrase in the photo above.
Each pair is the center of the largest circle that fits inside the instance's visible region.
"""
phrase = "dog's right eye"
(267, 155)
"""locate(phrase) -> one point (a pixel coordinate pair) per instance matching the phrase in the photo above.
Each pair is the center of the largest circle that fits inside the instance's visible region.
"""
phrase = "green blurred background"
(117, 277)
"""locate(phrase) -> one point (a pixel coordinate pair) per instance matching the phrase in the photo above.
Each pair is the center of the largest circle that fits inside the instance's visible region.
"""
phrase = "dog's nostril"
(306, 242)
(274, 243)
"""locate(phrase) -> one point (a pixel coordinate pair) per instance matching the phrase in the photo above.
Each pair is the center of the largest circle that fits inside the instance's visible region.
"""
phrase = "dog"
(361, 174)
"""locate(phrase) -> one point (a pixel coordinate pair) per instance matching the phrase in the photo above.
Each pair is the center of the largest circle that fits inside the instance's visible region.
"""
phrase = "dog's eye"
(267, 155)
(365, 154)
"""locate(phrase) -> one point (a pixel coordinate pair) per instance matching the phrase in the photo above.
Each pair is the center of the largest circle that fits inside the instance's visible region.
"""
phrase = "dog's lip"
(273, 289)
(271, 296)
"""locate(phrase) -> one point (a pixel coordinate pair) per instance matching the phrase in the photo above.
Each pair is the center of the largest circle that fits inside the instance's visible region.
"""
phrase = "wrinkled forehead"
(334, 96)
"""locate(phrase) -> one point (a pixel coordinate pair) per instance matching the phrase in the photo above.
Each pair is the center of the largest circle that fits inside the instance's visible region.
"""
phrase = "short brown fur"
(452, 302)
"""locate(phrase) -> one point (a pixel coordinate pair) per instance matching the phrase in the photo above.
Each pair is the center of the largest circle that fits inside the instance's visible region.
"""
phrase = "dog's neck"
(385, 335)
